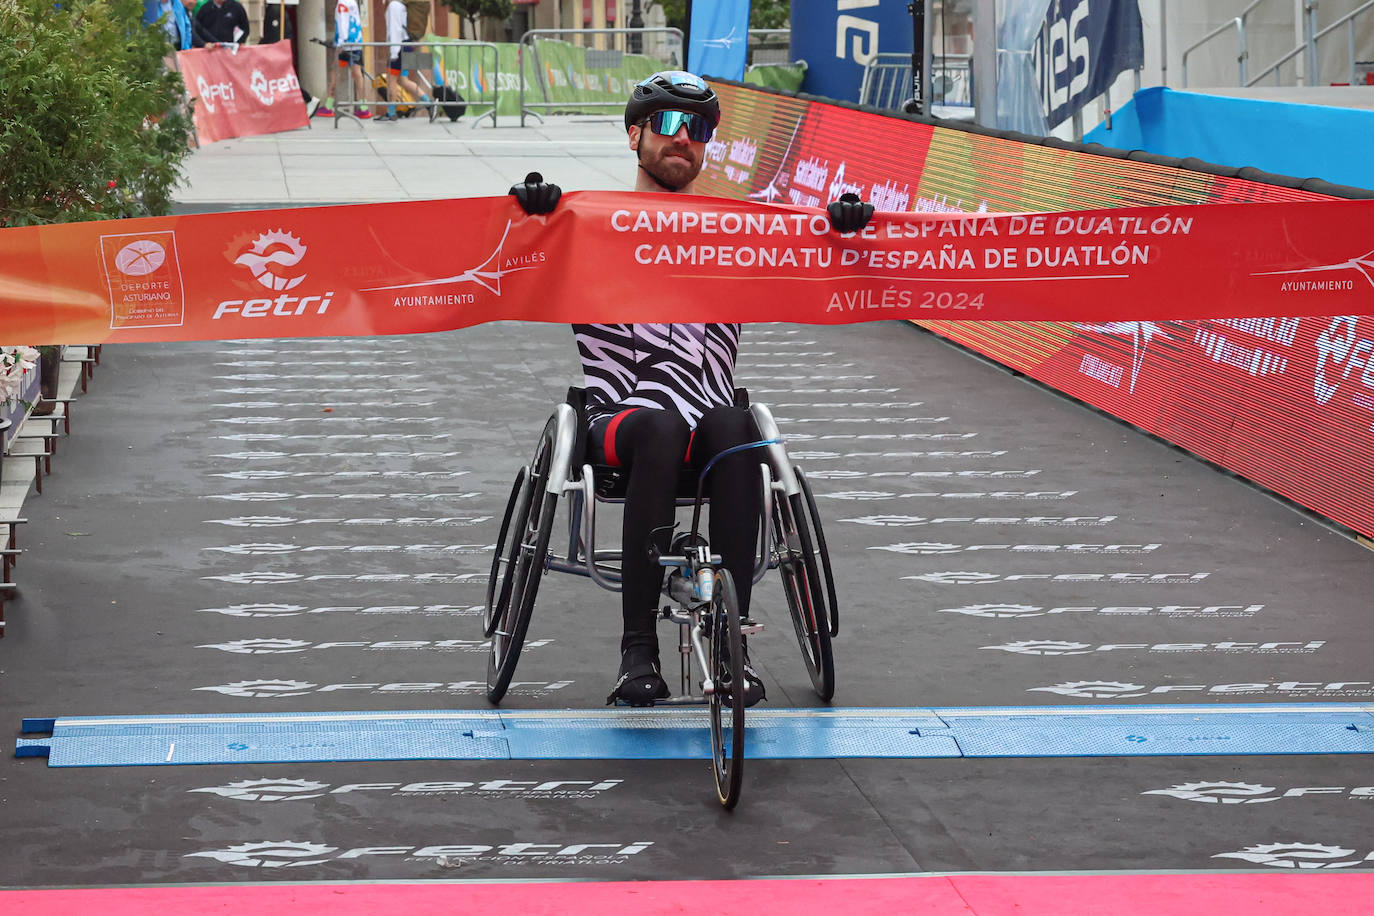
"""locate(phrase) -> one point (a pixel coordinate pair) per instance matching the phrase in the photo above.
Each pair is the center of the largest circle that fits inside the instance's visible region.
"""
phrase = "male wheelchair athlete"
(706, 607)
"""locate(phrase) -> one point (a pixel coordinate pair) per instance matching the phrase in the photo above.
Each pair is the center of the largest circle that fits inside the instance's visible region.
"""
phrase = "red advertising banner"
(602, 256)
(243, 90)
(1284, 398)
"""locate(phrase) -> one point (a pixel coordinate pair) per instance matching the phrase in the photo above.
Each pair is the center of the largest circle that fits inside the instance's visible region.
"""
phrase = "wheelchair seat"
(611, 480)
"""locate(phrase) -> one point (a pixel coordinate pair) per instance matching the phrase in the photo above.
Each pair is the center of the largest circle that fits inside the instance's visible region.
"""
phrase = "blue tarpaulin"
(1304, 141)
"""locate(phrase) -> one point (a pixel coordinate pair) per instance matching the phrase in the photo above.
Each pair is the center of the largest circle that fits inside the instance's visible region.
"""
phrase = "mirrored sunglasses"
(668, 123)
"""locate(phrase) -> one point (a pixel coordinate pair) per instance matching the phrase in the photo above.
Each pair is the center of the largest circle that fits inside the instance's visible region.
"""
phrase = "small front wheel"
(726, 701)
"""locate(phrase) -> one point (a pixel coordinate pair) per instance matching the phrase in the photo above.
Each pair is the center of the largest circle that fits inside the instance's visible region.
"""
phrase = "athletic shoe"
(322, 111)
(311, 106)
(385, 117)
(365, 114)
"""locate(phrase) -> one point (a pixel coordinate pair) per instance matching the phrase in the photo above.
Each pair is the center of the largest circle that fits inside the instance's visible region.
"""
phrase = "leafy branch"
(90, 123)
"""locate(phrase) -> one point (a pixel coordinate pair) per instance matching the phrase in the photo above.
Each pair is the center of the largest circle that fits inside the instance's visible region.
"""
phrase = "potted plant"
(18, 389)
(49, 364)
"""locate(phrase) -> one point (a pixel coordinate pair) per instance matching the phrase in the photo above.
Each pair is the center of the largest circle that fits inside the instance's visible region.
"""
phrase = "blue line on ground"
(679, 733)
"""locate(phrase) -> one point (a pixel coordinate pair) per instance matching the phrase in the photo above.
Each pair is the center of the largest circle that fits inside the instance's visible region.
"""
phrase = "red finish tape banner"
(603, 256)
(237, 92)
(1279, 396)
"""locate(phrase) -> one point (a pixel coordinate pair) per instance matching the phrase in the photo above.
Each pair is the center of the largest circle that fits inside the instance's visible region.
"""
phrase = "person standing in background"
(348, 29)
(177, 23)
(276, 26)
(398, 33)
(220, 22)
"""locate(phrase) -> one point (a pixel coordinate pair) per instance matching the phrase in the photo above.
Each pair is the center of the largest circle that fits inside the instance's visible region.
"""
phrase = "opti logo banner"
(609, 257)
(252, 90)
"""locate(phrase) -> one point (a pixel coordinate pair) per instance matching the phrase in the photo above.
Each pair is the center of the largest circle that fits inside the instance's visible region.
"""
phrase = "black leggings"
(650, 444)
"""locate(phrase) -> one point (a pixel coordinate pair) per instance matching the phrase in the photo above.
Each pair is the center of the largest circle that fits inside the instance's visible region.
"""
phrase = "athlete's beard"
(659, 179)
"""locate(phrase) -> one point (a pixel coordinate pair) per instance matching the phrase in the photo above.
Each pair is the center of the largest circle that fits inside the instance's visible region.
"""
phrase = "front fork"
(691, 584)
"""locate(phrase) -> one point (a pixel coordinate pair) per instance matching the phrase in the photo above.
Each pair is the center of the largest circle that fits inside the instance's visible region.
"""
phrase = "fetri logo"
(1304, 856)
(263, 688)
(271, 257)
(1341, 353)
(1244, 793)
(271, 689)
(268, 790)
(285, 853)
(273, 790)
(295, 854)
(1096, 690)
(267, 90)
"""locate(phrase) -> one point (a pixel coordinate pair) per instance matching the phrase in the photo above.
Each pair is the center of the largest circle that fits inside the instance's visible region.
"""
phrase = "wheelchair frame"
(710, 626)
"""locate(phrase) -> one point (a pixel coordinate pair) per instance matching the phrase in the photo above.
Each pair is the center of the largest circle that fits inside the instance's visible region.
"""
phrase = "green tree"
(770, 14)
(473, 10)
(674, 12)
(90, 126)
(763, 14)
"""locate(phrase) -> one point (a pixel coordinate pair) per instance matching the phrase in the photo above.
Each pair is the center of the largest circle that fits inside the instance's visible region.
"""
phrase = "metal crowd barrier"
(630, 41)
(420, 62)
(887, 81)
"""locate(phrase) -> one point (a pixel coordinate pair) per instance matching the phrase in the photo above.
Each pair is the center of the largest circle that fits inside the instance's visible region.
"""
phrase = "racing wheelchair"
(701, 591)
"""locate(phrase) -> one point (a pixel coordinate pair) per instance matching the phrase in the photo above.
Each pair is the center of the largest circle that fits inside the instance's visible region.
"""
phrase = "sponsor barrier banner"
(1284, 397)
(555, 71)
(604, 256)
(237, 93)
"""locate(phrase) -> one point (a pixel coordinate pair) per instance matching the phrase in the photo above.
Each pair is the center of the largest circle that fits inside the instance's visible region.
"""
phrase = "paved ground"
(410, 159)
(215, 495)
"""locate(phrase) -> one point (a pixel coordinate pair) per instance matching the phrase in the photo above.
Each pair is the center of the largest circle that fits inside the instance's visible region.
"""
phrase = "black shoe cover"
(640, 683)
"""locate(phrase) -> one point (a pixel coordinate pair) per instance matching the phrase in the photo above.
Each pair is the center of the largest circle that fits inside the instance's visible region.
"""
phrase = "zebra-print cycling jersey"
(687, 368)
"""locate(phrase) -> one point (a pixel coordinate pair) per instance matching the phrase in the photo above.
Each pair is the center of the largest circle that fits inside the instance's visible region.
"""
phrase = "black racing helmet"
(675, 90)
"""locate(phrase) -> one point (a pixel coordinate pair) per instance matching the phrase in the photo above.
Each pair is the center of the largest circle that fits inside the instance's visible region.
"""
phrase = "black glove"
(849, 213)
(536, 196)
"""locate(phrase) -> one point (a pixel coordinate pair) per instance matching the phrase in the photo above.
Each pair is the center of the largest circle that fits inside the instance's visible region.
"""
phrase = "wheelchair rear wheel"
(833, 604)
(801, 583)
(530, 530)
(503, 558)
(727, 707)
